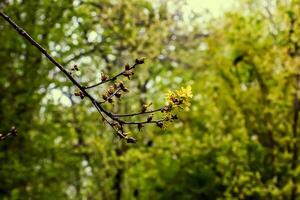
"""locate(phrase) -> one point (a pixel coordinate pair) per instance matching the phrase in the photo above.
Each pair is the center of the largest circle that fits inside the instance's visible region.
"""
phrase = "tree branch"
(108, 117)
(138, 113)
(115, 77)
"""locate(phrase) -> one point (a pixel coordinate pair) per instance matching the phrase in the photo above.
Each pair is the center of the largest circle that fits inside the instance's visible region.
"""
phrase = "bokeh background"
(238, 140)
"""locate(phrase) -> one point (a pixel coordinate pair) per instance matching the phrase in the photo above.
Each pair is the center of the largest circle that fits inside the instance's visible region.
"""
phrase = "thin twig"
(111, 96)
(113, 121)
(111, 79)
(138, 113)
(44, 51)
(56, 63)
(146, 122)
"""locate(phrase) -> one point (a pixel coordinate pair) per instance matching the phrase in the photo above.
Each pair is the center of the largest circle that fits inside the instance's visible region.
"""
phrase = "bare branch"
(138, 62)
(110, 118)
(138, 113)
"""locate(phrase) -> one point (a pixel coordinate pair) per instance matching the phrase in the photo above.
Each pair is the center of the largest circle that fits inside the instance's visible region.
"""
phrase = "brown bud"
(176, 101)
(75, 67)
(118, 94)
(130, 140)
(77, 93)
(144, 108)
(110, 100)
(104, 96)
(116, 86)
(80, 94)
(160, 124)
(174, 117)
(167, 118)
(127, 67)
(111, 90)
(104, 77)
(122, 86)
(167, 108)
(140, 126)
(149, 118)
(128, 73)
(140, 61)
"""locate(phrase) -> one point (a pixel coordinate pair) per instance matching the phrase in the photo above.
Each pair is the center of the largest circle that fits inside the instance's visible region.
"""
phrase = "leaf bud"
(149, 118)
(167, 108)
(80, 94)
(75, 67)
(104, 77)
(118, 94)
(111, 90)
(139, 61)
(140, 126)
(173, 117)
(160, 124)
(122, 86)
(130, 140)
(110, 100)
(104, 96)
(127, 67)
(128, 73)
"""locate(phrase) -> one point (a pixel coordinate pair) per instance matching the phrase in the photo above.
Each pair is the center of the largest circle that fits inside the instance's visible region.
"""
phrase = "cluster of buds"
(79, 94)
(180, 98)
(104, 77)
(145, 107)
(140, 61)
(74, 69)
(122, 86)
(114, 120)
(167, 108)
(176, 101)
(128, 72)
(160, 124)
(115, 91)
(150, 118)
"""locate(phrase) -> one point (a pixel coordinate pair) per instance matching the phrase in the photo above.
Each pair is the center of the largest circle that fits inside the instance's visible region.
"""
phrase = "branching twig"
(114, 91)
(138, 62)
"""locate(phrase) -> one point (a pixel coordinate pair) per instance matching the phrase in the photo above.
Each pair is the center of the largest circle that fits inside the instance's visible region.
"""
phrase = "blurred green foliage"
(238, 140)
